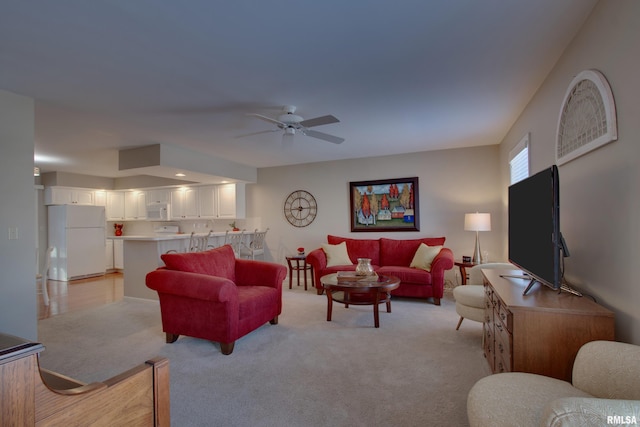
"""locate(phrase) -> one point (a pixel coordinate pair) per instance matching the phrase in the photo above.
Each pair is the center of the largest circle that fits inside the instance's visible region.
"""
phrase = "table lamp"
(477, 222)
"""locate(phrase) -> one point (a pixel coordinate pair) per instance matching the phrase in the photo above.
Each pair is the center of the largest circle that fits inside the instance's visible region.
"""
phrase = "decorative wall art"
(385, 205)
(587, 118)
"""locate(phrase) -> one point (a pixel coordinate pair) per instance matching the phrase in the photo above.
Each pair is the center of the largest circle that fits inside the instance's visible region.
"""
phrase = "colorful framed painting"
(384, 205)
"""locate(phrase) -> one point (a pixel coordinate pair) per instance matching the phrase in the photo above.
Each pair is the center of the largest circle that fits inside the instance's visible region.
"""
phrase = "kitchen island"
(142, 255)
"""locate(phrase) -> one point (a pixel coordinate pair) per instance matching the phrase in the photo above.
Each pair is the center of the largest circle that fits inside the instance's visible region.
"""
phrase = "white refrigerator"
(77, 235)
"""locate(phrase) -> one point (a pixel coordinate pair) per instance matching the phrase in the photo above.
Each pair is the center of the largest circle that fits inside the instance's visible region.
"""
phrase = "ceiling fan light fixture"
(289, 131)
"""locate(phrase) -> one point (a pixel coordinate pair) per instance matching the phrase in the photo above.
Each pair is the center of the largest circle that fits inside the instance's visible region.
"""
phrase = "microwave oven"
(160, 211)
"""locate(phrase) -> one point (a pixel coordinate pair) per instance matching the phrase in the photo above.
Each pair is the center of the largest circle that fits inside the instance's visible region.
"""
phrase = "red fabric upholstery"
(391, 257)
(401, 252)
(197, 301)
(215, 262)
(359, 248)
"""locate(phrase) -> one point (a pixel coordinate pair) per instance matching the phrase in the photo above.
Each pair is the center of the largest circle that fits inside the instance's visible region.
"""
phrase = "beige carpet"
(415, 370)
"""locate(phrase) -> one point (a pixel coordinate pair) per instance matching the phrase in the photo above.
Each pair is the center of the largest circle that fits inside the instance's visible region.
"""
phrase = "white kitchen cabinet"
(158, 195)
(184, 203)
(109, 255)
(208, 201)
(69, 196)
(115, 206)
(231, 201)
(135, 205)
(118, 254)
(100, 198)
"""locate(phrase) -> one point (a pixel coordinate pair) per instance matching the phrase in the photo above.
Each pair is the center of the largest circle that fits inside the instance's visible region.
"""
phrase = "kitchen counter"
(142, 256)
(160, 237)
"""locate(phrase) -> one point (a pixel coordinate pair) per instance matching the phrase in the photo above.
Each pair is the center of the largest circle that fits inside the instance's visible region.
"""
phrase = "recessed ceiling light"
(180, 174)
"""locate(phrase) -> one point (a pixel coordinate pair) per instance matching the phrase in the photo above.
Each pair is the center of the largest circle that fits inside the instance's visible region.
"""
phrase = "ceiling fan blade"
(267, 119)
(318, 121)
(256, 133)
(323, 136)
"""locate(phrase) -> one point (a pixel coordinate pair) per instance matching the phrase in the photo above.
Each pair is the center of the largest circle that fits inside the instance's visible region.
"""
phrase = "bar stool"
(298, 263)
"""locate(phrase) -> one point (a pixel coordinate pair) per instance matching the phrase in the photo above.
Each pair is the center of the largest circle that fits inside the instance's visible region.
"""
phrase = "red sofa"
(214, 296)
(390, 257)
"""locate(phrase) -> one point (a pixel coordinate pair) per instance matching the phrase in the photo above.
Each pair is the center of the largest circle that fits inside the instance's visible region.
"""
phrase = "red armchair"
(214, 296)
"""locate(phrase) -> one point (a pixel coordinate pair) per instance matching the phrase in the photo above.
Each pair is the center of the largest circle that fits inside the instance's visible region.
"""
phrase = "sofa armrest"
(259, 273)
(587, 411)
(608, 369)
(192, 285)
(443, 261)
(317, 259)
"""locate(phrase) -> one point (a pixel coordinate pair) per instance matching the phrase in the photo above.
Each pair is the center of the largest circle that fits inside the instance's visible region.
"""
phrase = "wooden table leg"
(376, 317)
(290, 272)
(329, 305)
(463, 275)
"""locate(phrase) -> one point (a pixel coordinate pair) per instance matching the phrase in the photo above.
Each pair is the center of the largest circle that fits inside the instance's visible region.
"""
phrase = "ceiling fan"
(290, 123)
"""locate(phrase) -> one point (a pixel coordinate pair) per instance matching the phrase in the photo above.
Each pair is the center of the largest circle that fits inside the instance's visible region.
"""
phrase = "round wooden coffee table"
(358, 291)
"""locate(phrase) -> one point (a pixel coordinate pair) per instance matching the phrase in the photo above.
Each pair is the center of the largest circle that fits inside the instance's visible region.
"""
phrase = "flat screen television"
(535, 243)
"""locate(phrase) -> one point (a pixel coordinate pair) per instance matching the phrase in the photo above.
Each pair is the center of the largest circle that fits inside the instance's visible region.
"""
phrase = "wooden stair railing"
(34, 396)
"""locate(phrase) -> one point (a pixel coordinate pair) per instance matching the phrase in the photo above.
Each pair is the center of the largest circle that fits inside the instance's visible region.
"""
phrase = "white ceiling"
(402, 76)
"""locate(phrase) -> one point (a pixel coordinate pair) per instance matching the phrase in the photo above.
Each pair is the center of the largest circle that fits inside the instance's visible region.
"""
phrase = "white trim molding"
(587, 117)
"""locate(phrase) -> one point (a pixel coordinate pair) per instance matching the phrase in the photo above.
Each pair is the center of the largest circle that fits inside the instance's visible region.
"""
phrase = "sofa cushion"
(336, 254)
(359, 248)
(219, 262)
(255, 301)
(424, 256)
(469, 295)
(406, 274)
(401, 252)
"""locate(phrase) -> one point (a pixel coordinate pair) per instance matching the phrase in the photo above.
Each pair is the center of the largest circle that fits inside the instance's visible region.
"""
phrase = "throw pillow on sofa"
(337, 254)
(424, 256)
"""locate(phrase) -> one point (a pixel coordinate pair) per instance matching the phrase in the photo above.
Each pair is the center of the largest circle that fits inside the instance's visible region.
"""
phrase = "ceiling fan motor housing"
(290, 119)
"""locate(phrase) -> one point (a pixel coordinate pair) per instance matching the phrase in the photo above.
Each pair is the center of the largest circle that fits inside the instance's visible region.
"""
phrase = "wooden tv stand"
(541, 332)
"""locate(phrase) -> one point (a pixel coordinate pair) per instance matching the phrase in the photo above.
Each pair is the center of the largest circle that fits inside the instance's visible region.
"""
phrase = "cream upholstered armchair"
(605, 390)
(470, 298)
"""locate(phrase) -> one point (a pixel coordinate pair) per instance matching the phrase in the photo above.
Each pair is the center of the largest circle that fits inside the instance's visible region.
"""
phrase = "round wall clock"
(300, 208)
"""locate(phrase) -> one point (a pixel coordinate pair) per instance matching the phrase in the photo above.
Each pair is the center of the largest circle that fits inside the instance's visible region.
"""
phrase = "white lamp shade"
(477, 222)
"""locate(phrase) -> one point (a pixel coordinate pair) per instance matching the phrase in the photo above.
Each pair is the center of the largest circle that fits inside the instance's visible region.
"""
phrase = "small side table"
(463, 269)
(298, 263)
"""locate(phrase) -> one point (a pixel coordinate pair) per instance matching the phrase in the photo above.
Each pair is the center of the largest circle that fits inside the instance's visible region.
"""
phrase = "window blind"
(519, 160)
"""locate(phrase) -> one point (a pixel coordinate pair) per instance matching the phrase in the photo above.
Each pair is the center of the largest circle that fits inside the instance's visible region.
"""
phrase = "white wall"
(599, 203)
(451, 183)
(18, 310)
